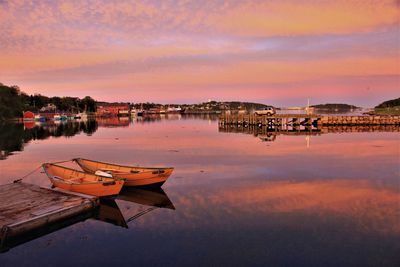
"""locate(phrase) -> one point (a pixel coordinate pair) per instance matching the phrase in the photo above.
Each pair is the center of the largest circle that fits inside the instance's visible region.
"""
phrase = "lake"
(236, 198)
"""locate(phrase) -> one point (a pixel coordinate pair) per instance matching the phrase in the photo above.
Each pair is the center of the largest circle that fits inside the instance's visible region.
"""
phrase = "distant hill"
(333, 106)
(389, 103)
(244, 105)
(219, 106)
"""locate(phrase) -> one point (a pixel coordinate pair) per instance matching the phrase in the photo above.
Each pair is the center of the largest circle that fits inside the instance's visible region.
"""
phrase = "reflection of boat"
(109, 212)
(117, 211)
(135, 176)
(155, 197)
(77, 181)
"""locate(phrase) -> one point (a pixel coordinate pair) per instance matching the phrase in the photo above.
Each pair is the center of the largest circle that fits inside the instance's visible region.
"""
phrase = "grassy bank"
(395, 111)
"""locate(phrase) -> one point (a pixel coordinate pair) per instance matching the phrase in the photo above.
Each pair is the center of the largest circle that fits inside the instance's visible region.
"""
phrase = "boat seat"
(103, 174)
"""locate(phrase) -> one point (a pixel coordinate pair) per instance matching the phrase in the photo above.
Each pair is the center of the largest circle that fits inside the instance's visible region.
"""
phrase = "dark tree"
(389, 103)
(88, 103)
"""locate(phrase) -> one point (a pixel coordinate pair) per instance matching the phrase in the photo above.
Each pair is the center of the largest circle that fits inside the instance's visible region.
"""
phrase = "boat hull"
(143, 180)
(81, 182)
(134, 176)
(99, 189)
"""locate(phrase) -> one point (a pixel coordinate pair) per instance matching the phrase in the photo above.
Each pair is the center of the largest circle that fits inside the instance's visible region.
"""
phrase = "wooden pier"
(25, 208)
(293, 120)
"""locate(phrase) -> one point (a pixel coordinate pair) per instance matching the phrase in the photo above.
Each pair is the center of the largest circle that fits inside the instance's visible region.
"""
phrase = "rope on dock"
(40, 166)
(26, 175)
(63, 161)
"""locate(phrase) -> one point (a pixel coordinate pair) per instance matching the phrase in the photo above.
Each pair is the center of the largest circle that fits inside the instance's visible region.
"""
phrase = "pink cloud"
(189, 50)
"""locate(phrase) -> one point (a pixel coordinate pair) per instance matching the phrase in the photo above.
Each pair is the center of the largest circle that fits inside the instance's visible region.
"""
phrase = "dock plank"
(23, 207)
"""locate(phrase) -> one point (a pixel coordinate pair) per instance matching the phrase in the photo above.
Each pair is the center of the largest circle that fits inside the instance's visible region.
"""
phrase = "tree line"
(13, 102)
(389, 103)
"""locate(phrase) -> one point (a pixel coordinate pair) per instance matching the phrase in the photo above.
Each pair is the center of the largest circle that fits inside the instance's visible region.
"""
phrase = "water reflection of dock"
(285, 120)
(28, 211)
(270, 133)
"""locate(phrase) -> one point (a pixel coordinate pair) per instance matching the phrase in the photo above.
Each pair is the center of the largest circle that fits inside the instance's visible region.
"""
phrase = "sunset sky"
(274, 52)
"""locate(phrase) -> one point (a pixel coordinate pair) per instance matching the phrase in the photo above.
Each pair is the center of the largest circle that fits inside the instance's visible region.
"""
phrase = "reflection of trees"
(14, 136)
(90, 127)
(11, 139)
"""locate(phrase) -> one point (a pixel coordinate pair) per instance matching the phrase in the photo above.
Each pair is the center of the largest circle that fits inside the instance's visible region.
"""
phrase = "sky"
(273, 52)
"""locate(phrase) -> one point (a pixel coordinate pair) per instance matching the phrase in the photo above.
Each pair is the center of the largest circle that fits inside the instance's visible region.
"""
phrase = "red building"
(29, 116)
(105, 110)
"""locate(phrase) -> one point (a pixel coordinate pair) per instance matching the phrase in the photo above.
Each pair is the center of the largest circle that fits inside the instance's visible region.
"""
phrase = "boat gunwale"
(82, 183)
(141, 179)
(76, 183)
(126, 166)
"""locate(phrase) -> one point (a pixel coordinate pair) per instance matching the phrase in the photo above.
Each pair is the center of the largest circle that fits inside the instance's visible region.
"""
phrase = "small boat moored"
(58, 117)
(135, 176)
(81, 182)
(40, 118)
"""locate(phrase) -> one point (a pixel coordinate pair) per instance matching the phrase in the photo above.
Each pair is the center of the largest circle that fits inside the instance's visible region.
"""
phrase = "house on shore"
(49, 108)
(112, 109)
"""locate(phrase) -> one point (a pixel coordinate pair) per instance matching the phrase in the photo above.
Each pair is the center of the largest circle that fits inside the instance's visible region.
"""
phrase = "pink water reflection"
(286, 199)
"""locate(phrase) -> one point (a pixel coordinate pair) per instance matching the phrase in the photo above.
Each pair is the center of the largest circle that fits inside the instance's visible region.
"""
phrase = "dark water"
(234, 199)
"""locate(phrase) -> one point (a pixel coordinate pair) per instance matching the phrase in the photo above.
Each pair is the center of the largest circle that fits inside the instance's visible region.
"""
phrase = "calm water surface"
(234, 199)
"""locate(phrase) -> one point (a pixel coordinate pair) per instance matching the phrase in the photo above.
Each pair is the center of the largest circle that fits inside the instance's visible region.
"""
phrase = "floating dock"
(26, 208)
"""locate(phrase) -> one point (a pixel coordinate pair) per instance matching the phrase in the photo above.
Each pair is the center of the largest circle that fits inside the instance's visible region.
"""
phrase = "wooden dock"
(25, 208)
(293, 120)
(274, 120)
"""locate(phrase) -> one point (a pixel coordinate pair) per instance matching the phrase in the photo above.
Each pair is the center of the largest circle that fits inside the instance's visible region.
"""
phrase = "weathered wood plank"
(24, 207)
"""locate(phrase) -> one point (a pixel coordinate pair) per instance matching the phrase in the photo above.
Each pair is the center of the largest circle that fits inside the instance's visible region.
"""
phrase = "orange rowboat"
(135, 176)
(81, 182)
